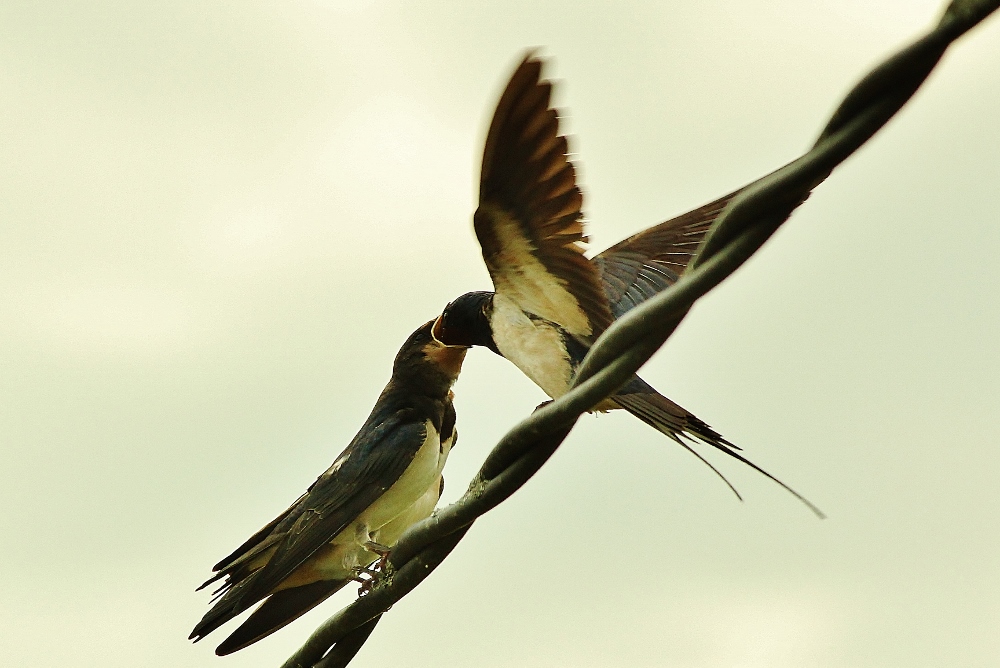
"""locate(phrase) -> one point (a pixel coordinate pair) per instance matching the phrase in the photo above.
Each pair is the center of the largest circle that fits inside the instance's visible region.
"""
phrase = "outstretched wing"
(374, 460)
(529, 221)
(651, 261)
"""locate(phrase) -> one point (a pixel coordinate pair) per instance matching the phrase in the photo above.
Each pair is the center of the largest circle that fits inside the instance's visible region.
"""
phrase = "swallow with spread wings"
(550, 302)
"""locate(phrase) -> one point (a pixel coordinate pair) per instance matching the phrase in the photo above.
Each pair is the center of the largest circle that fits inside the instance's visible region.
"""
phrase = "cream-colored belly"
(421, 509)
(424, 470)
(410, 499)
(535, 347)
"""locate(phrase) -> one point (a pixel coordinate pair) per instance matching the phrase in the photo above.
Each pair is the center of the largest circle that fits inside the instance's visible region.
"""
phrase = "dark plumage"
(551, 302)
(388, 478)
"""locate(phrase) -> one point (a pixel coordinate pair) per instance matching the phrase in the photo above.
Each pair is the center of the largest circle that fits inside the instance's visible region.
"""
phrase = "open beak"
(437, 331)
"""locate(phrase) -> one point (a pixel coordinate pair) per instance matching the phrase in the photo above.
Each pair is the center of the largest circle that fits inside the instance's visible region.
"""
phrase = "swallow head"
(428, 361)
(466, 322)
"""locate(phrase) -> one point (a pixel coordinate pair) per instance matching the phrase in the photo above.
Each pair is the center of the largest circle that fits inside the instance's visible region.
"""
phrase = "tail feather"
(644, 402)
(639, 409)
(230, 605)
(277, 611)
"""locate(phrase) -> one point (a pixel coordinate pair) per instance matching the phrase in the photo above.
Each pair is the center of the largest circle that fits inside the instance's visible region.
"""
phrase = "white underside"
(421, 509)
(411, 499)
(535, 347)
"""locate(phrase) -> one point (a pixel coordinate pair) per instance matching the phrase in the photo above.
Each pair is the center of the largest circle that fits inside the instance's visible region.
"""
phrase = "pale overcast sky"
(221, 220)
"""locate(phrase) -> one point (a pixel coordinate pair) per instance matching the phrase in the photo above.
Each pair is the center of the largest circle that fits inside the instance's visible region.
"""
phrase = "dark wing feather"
(250, 550)
(651, 261)
(529, 221)
(279, 610)
(374, 460)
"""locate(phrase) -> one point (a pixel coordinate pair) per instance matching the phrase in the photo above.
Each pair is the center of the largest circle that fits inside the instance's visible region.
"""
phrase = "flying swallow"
(550, 302)
(388, 478)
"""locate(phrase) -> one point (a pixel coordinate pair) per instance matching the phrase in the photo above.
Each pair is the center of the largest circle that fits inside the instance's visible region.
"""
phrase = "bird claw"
(377, 572)
(367, 583)
(366, 587)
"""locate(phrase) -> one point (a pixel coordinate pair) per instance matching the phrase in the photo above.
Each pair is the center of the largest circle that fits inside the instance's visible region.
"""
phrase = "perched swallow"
(550, 302)
(388, 478)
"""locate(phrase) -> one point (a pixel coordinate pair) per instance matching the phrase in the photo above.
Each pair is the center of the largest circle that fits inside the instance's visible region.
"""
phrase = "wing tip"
(279, 610)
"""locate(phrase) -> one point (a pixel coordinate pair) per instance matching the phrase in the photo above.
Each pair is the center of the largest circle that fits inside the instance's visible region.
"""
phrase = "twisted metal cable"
(749, 220)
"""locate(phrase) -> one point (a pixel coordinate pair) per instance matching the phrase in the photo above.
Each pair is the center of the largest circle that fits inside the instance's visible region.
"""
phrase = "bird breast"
(421, 509)
(534, 346)
(424, 471)
(410, 499)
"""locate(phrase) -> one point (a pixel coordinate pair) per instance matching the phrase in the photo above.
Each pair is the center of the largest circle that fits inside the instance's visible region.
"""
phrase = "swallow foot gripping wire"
(748, 221)
(365, 584)
(379, 574)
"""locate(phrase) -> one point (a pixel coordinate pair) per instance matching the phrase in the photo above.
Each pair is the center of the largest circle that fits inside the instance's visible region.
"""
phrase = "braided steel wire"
(749, 220)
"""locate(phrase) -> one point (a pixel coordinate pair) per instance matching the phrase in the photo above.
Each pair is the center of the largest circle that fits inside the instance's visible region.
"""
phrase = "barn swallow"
(388, 478)
(550, 302)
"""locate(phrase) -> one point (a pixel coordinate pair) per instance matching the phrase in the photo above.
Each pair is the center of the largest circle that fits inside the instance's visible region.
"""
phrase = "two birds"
(550, 303)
